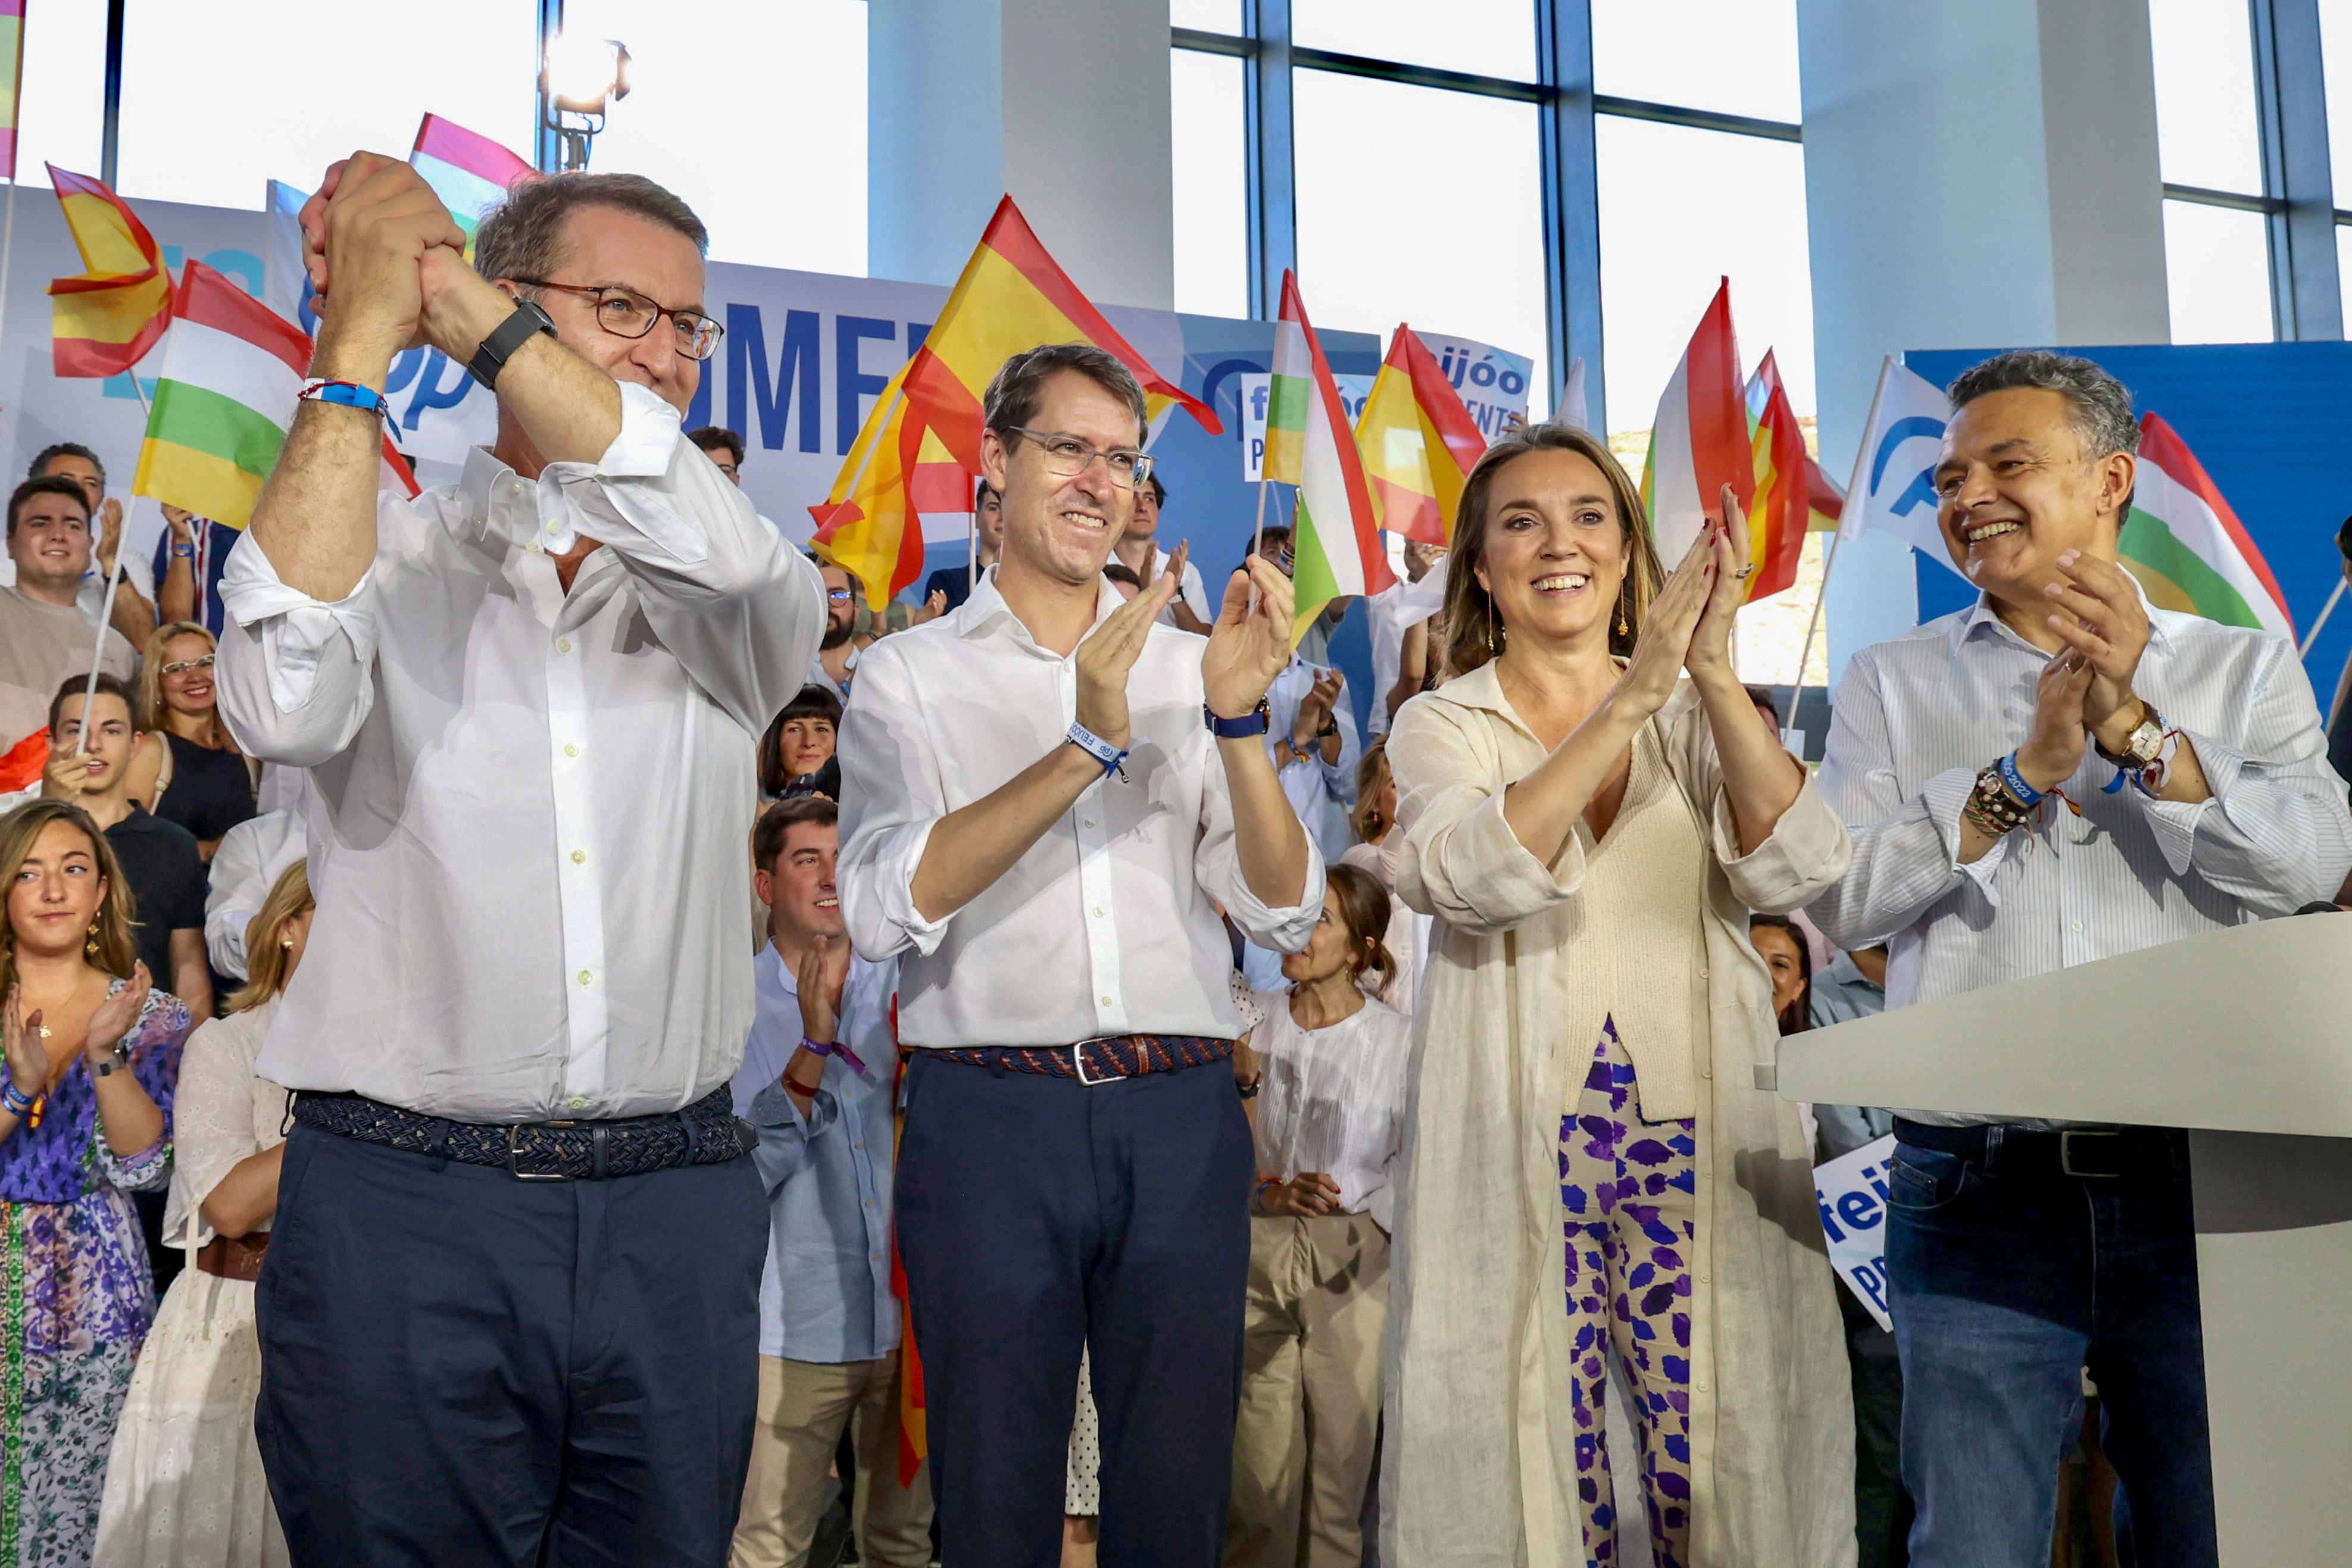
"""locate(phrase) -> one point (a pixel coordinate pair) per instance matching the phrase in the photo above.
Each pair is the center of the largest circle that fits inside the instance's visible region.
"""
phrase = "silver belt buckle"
(514, 1154)
(1078, 1059)
(2066, 1137)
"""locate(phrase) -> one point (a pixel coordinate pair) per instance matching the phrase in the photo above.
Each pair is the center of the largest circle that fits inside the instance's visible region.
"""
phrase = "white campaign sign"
(1852, 1190)
(1493, 383)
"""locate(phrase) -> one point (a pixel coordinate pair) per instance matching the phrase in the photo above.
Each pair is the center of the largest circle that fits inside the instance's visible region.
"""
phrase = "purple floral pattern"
(1629, 1188)
(76, 1297)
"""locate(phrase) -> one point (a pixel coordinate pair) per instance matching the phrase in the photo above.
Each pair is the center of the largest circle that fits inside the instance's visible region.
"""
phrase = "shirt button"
(577, 1102)
(572, 748)
(1098, 914)
(1107, 1002)
(2078, 925)
(1090, 821)
(1707, 1072)
(585, 977)
(564, 644)
(580, 857)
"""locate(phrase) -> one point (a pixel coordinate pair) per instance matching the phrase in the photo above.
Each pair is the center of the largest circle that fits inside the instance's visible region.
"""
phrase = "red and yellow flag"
(112, 313)
(1418, 442)
(919, 449)
(1780, 511)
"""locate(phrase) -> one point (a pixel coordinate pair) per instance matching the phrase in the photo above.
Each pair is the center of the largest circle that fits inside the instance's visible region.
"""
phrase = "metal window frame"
(1566, 105)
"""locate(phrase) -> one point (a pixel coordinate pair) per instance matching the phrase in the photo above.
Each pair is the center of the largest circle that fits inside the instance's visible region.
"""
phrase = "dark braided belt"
(704, 1133)
(1098, 1061)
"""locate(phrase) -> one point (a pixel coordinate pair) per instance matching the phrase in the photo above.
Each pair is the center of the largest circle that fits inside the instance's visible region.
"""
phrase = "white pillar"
(1061, 103)
(1977, 174)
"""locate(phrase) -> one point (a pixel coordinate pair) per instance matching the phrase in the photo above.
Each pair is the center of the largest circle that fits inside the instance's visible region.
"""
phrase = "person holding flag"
(2058, 773)
(511, 1307)
(1046, 796)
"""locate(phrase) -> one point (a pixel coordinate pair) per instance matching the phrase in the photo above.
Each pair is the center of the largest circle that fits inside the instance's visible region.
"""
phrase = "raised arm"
(1250, 647)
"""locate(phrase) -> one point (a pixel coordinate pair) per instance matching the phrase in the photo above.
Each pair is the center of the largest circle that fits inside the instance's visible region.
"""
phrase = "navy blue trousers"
(1038, 1216)
(461, 1368)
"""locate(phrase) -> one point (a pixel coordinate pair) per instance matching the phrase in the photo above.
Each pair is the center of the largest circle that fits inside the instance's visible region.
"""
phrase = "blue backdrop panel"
(2271, 422)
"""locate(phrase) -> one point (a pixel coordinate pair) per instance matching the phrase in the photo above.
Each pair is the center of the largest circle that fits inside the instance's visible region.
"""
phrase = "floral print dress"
(76, 1296)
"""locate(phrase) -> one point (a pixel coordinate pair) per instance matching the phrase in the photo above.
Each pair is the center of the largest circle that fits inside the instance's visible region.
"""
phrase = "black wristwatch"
(526, 322)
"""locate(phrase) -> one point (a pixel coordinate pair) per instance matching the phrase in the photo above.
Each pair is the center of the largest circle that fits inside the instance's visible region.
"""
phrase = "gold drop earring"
(91, 947)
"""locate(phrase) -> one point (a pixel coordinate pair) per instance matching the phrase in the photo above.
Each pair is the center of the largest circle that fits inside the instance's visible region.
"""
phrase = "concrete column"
(1061, 103)
(1977, 174)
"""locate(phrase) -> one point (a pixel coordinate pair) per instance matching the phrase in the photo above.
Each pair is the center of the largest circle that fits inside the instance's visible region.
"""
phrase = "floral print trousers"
(1629, 1188)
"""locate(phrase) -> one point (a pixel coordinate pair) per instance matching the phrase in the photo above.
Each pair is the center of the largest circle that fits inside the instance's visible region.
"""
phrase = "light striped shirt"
(1334, 1100)
(1918, 717)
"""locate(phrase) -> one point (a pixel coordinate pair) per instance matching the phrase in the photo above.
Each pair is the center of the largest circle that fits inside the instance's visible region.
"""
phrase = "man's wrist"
(2117, 729)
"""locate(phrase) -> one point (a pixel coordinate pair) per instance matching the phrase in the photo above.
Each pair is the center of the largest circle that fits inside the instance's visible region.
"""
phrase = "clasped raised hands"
(1688, 624)
(372, 232)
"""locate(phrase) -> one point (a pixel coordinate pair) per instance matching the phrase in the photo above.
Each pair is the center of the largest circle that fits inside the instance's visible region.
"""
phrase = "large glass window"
(2336, 58)
(754, 112)
(1681, 209)
(61, 109)
(1210, 152)
(1443, 229)
(1207, 16)
(189, 134)
(2218, 272)
(2206, 129)
(1735, 57)
(1489, 37)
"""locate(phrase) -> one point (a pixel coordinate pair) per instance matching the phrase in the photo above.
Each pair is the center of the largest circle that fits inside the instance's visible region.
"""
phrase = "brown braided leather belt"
(234, 1257)
(1097, 1061)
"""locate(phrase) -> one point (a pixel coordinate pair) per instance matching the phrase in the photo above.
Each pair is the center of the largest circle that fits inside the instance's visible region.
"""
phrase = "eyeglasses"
(1066, 458)
(181, 666)
(625, 313)
(838, 596)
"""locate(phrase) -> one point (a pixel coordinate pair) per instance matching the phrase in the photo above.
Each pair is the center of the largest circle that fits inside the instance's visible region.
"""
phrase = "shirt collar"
(1982, 615)
(985, 611)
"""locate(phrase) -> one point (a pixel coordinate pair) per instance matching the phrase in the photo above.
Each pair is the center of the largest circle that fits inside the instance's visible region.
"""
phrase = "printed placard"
(1852, 1190)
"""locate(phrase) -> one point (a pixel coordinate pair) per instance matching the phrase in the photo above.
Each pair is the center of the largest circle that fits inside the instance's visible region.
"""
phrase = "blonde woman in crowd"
(185, 1487)
(1378, 841)
(93, 1051)
(1330, 1109)
(1589, 830)
(186, 768)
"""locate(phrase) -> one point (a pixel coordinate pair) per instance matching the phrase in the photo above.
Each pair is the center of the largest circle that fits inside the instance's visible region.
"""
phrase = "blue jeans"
(2008, 1276)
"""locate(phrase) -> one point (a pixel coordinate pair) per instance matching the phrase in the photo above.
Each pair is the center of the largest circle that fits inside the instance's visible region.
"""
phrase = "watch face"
(2146, 741)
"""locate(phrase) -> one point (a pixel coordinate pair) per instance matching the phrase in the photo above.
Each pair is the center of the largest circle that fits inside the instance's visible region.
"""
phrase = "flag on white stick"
(1894, 485)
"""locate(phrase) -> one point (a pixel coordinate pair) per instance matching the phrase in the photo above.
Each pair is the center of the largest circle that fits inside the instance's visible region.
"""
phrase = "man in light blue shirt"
(818, 1080)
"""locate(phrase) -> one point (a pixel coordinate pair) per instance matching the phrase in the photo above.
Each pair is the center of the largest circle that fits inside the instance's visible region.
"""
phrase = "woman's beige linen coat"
(1480, 1442)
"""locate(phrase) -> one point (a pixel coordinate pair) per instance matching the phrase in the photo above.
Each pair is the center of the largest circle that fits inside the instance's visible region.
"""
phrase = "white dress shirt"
(1917, 718)
(1105, 926)
(528, 805)
(1332, 1100)
(1318, 791)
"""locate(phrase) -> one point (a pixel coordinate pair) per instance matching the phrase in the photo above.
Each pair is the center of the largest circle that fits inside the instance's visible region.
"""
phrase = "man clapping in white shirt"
(1046, 798)
(510, 1311)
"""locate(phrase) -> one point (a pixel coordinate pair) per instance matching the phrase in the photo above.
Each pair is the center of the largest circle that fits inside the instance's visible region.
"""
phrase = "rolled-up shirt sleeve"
(741, 609)
(785, 1132)
(1905, 849)
(891, 796)
(2275, 832)
(297, 674)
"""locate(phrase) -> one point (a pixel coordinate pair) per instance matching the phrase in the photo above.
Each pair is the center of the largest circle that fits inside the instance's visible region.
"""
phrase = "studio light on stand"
(578, 82)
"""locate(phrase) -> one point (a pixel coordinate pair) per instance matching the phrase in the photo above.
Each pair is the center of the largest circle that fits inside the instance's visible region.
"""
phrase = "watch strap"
(1256, 722)
(526, 322)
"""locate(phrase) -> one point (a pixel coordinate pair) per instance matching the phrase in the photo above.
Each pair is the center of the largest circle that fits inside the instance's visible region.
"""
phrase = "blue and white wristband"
(2014, 781)
(350, 393)
(1100, 749)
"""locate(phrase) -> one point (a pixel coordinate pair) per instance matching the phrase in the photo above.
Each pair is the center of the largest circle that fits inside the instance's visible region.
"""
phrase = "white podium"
(2244, 1037)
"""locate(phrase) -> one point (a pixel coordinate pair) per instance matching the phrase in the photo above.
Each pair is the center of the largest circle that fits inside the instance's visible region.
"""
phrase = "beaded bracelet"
(1992, 808)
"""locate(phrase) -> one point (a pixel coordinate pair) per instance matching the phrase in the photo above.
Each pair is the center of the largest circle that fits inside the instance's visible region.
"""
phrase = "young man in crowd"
(2055, 775)
(950, 586)
(134, 594)
(820, 1079)
(89, 765)
(45, 636)
(511, 1308)
(1138, 551)
(1046, 798)
(726, 448)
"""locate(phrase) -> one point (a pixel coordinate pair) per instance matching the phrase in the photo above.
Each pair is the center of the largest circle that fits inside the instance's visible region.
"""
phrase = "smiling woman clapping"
(1589, 830)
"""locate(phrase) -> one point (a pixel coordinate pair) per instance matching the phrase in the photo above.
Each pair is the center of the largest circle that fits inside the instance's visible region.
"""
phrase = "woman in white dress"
(185, 1487)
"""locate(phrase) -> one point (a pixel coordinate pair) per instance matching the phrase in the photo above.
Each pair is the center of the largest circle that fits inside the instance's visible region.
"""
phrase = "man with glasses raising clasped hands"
(1045, 796)
(509, 1312)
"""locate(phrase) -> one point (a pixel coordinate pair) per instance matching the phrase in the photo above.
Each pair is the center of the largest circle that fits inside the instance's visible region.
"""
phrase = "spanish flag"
(1419, 443)
(111, 314)
(1780, 512)
(919, 449)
